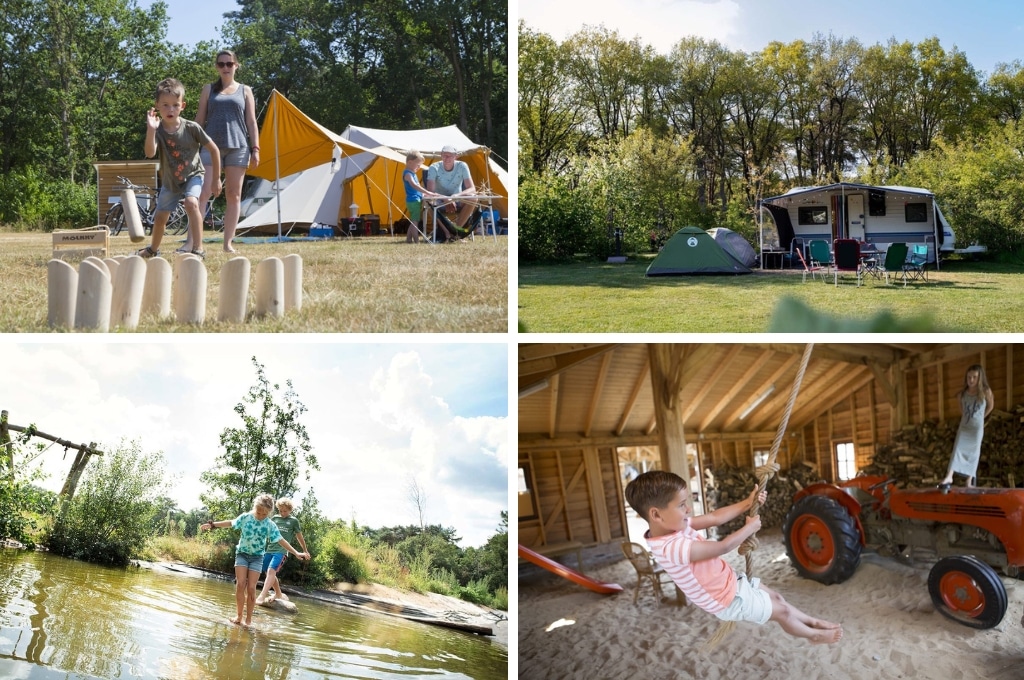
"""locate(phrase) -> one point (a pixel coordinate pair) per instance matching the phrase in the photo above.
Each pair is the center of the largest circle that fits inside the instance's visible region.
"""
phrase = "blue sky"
(377, 412)
(988, 31)
(194, 20)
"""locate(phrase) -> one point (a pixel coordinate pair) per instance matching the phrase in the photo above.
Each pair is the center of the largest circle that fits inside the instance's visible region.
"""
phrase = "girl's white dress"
(967, 447)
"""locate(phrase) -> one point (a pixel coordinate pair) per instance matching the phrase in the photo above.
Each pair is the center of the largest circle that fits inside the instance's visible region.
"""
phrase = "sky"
(987, 31)
(192, 21)
(377, 413)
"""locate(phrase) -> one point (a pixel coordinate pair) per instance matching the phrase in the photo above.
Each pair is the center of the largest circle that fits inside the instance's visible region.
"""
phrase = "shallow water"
(65, 619)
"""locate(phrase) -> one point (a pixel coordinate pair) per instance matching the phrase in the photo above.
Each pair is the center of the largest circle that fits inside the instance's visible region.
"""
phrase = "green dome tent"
(693, 251)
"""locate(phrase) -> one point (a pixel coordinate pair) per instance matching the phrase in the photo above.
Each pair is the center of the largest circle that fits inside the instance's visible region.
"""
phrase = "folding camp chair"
(895, 258)
(820, 255)
(809, 269)
(847, 258)
(917, 266)
(647, 570)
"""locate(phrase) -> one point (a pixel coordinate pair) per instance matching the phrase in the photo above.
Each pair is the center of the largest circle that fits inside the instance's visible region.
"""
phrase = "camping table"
(771, 257)
(479, 200)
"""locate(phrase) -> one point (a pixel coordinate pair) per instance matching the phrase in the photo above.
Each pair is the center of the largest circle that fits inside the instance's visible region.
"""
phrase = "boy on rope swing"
(696, 564)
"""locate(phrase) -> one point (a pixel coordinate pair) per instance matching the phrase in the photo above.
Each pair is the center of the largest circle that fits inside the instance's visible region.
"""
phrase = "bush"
(107, 522)
(21, 503)
(28, 200)
(556, 221)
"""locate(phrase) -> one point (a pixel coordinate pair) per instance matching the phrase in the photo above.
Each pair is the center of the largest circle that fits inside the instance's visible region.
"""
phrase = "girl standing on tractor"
(976, 402)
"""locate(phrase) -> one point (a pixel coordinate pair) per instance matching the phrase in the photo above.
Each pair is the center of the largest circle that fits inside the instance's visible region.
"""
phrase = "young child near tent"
(414, 193)
(177, 141)
(696, 564)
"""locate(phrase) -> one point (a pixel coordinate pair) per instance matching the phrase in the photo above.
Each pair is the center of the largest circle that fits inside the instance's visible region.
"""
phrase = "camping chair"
(648, 570)
(895, 258)
(847, 258)
(807, 268)
(917, 266)
(820, 255)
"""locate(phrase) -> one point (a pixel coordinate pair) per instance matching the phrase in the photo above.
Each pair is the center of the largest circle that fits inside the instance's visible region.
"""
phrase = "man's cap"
(448, 148)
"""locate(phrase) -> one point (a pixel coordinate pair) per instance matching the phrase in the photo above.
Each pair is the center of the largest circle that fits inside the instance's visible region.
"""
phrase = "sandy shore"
(891, 629)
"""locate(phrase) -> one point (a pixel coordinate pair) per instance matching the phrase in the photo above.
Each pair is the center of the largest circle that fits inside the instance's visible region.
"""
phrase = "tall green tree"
(265, 454)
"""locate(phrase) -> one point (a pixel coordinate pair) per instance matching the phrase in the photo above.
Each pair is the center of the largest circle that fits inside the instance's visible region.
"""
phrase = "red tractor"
(973, 531)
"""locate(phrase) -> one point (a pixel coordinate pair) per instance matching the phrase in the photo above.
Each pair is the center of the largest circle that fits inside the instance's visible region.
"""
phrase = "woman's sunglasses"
(225, 64)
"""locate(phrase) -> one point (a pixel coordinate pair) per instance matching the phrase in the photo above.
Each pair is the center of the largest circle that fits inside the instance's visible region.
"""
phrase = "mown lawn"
(964, 297)
(361, 285)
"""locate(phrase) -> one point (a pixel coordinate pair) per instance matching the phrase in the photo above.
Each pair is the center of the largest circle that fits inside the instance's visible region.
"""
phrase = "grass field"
(964, 297)
(362, 285)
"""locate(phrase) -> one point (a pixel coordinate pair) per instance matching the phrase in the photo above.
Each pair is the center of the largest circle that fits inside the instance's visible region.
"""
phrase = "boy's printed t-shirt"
(709, 584)
(179, 153)
(288, 526)
(255, 533)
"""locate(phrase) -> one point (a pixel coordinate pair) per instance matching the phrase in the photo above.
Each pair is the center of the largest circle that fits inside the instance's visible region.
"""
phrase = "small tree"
(263, 455)
(109, 519)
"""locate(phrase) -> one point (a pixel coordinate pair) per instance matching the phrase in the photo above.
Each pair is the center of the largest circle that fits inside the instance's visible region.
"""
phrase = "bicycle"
(177, 222)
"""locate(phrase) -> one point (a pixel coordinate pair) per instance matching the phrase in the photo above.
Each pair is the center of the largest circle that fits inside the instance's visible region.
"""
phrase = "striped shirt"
(709, 584)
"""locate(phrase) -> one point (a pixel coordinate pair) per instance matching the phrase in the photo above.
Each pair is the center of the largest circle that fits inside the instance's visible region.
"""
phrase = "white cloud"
(376, 414)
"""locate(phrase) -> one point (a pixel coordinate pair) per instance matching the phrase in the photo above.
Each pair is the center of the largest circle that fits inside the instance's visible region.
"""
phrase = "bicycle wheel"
(114, 219)
(177, 221)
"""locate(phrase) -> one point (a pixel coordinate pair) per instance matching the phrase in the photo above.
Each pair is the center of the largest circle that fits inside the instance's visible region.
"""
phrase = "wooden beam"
(761, 387)
(697, 398)
(842, 385)
(848, 353)
(634, 395)
(882, 378)
(944, 353)
(553, 406)
(529, 442)
(671, 438)
(537, 362)
(595, 398)
(737, 387)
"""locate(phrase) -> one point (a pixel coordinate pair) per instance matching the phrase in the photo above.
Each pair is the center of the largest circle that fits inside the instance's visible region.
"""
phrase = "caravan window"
(917, 212)
(812, 214)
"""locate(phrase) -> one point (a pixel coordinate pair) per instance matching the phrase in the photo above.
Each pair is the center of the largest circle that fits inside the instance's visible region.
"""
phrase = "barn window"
(527, 501)
(761, 457)
(846, 461)
(812, 214)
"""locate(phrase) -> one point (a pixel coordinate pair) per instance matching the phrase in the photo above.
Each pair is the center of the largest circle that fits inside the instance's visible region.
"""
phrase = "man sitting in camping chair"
(451, 177)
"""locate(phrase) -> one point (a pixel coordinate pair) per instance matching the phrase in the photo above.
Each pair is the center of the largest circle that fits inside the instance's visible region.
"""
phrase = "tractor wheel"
(822, 540)
(968, 591)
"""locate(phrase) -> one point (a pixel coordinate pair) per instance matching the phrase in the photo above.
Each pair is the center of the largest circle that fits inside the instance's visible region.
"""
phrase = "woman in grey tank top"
(227, 111)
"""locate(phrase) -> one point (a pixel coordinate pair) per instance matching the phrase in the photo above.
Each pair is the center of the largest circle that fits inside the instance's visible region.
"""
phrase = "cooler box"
(487, 226)
(321, 231)
(371, 224)
(349, 226)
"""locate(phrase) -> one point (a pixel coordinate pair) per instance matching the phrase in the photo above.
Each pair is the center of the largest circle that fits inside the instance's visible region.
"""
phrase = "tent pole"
(277, 168)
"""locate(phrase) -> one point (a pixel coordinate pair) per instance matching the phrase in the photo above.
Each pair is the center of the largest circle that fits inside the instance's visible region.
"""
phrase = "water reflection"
(58, 617)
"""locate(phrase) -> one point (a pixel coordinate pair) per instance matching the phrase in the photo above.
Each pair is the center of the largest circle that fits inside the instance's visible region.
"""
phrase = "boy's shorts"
(273, 561)
(415, 210)
(229, 158)
(250, 561)
(750, 604)
(169, 198)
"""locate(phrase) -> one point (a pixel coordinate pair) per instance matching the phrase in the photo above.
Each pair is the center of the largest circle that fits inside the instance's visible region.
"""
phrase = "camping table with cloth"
(478, 200)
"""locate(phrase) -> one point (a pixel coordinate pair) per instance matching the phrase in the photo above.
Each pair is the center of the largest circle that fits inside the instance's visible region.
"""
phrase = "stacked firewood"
(919, 454)
(732, 485)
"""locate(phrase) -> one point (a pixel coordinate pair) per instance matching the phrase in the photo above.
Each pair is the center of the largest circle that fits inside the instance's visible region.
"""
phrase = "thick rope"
(764, 474)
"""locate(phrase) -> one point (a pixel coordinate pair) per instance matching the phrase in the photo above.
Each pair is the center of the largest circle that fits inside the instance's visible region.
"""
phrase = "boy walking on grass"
(696, 564)
(177, 141)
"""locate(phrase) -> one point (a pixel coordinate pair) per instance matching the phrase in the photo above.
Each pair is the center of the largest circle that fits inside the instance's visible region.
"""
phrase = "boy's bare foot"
(270, 598)
(282, 596)
(260, 600)
(237, 620)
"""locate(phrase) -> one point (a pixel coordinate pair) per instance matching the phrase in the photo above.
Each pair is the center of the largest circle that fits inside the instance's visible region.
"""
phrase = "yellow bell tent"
(292, 142)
